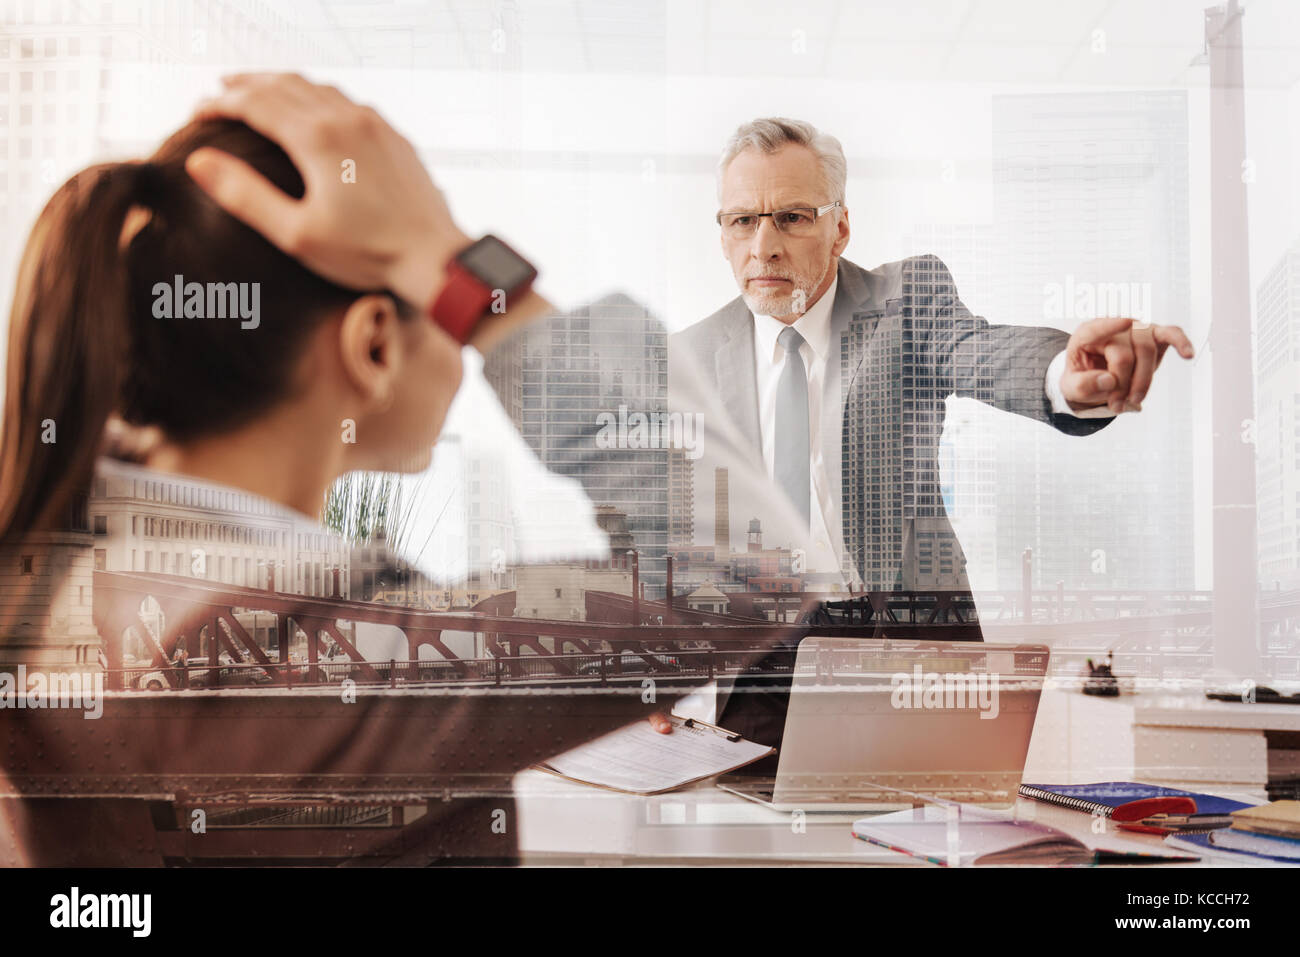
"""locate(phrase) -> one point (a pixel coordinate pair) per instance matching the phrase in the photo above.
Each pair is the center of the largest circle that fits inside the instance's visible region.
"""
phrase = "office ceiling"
(1110, 42)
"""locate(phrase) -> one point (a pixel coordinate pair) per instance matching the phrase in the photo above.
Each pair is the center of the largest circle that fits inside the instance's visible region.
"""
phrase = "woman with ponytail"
(341, 273)
(308, 352)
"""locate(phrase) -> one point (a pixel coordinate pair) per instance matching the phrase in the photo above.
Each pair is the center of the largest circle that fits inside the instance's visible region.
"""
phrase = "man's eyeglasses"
(793, 222)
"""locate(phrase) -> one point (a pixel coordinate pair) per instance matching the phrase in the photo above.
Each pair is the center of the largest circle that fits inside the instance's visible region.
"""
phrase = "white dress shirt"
(825, 546)
(1053, 385)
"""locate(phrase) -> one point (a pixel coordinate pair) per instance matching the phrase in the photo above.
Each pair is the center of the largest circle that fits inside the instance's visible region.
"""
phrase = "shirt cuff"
(1052, 383)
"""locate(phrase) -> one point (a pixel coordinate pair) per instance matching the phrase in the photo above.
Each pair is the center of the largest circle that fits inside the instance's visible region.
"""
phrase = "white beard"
(784, 305)
(769, 305)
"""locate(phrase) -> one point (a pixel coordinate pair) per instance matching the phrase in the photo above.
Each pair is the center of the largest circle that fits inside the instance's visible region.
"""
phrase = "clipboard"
(636, 759)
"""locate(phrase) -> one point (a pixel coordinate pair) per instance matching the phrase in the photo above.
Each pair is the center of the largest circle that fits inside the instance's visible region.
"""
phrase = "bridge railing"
(595, 668)
(625, 667)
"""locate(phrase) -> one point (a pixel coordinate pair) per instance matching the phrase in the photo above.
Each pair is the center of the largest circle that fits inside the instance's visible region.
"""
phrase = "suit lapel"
(737, 380)
(857, 296)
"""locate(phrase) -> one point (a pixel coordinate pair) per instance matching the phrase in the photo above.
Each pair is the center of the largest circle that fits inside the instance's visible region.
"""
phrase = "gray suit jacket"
(906, 343)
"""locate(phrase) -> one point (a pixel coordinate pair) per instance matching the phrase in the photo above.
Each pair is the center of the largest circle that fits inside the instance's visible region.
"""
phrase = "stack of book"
(1270, 831)
(1283, 774)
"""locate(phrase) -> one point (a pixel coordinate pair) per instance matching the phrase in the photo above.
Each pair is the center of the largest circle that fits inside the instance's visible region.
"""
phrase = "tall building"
(1091, 211)
(893, 508)
(489, 529)
(681, 497)
(721, 513)
(594, 398)
(1277, 425)
(969, 444)
(503, 368)
(970, 253)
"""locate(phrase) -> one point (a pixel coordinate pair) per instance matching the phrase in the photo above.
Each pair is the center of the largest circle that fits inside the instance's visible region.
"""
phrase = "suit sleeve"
(1003, 366)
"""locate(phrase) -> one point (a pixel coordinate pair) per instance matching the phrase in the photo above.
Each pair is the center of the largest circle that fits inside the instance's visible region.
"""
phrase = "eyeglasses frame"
(818, 211)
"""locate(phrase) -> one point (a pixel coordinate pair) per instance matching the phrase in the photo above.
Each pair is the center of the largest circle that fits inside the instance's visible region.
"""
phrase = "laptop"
(883, 724)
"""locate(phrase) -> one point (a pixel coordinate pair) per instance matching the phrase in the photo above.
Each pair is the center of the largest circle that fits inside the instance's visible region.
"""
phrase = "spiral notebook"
(1127, 801)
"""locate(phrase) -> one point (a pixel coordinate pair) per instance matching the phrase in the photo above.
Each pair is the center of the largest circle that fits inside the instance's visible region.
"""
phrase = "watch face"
(496, 264)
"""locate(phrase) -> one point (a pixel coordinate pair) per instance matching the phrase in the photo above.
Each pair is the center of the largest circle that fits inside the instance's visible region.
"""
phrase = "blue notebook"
(1137, 800)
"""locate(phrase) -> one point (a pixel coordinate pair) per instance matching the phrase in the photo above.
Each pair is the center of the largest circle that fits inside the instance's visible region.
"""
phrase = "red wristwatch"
(485, 277)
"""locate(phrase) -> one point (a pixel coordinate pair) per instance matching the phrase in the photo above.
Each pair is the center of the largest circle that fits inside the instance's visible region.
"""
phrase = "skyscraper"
(968, 446)
(503, 368)
(1091, 209)
(591, 379)
(895, 527)
(681, 497)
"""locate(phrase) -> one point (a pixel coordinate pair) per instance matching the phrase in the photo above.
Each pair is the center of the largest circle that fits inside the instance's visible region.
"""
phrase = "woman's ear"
(371, 350)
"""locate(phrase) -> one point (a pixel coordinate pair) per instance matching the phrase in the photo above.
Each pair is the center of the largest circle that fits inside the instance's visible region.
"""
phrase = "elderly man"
(827, 381)
(833, 377)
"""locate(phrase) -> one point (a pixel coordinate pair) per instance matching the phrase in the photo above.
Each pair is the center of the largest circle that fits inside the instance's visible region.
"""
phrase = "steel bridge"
(412, 760)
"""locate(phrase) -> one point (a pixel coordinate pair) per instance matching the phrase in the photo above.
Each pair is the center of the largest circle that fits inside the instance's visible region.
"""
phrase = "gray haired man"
(830, 380)
(819, 362)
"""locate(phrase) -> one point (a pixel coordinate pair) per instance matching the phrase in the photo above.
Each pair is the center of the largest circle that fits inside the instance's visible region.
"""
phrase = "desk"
(561, 822)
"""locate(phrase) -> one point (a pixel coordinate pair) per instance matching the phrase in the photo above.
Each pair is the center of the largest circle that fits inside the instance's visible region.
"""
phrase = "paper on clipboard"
(638, 759)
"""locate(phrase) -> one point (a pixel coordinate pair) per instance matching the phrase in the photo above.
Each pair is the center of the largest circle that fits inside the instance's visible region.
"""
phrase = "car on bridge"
(200, 675)
(629, 663)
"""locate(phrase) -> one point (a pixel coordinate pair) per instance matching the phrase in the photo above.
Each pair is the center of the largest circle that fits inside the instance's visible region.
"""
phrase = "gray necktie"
(792, 454)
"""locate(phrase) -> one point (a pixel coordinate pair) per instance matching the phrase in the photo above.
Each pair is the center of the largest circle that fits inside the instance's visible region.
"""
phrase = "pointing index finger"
(1174, 336)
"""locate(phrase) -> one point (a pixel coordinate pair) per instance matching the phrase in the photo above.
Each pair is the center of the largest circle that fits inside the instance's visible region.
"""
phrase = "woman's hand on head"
(371, 217)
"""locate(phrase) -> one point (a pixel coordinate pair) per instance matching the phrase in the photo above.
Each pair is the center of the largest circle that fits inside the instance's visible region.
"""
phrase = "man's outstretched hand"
(1110, 362)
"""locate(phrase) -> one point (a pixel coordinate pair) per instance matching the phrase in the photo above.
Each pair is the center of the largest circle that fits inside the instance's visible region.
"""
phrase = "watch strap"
(466, 297)
(461, 303)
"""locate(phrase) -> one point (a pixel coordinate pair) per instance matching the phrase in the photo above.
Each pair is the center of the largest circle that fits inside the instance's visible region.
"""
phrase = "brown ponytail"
(84, 340)
(68, 330)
